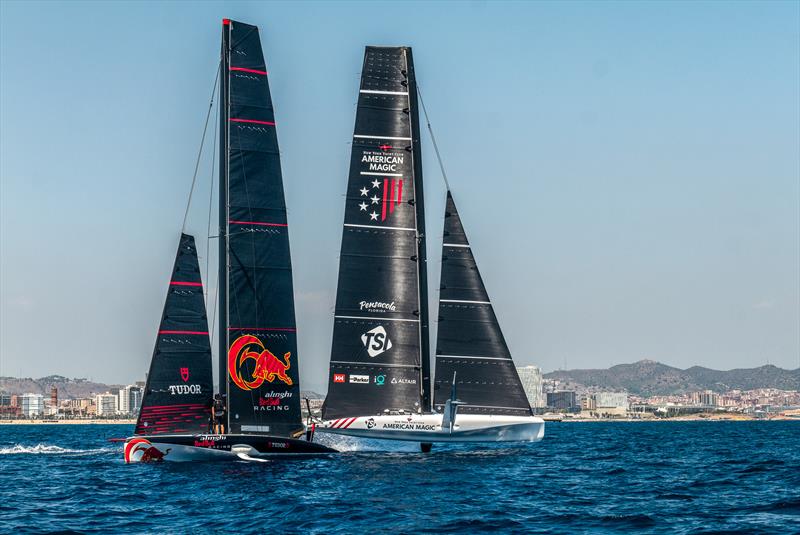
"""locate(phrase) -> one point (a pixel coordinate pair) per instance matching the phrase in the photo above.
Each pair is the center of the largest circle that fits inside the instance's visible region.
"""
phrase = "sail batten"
(470, 342)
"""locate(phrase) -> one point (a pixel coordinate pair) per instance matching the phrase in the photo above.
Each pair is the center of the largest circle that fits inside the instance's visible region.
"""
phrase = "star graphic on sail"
(388, 196)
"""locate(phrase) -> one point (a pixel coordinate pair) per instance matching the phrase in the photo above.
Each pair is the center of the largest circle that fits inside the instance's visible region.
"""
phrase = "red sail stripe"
(176, 283)
(254, 71)
(182, 332)
(391, 198)
(285, 329)
(385, 187)
(399, 191)
(260, 223)
(269, 123)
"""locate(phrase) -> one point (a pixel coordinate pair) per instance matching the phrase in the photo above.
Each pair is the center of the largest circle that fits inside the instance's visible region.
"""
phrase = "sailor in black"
(218, 414)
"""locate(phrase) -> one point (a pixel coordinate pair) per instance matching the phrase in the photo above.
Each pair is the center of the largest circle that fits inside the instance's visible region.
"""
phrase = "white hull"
(428, 428)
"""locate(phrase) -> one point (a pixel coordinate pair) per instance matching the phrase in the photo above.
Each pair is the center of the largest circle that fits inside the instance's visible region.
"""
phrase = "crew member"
(218, 414)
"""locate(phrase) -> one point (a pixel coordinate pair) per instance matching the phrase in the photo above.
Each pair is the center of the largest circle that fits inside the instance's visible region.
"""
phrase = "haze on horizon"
(628, 174)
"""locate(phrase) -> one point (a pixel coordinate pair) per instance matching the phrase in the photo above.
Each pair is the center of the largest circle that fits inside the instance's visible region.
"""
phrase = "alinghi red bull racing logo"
(268, 367)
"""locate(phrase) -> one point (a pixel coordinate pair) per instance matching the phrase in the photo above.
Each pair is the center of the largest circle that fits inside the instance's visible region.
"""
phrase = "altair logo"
(376, 341)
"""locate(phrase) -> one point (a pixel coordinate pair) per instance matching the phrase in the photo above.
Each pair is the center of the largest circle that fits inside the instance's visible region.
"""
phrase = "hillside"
(67, 388)
(650, 378)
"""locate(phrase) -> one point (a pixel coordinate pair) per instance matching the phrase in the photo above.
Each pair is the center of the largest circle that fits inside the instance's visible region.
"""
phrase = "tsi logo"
(376, 341)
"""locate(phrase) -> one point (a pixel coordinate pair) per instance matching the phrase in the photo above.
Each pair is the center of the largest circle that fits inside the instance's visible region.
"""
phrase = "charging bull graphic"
(140, 450)
(268, 367)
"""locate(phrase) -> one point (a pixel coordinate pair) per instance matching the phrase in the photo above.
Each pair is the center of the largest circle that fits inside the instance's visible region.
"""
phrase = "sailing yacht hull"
(181, 448)
(428, 428)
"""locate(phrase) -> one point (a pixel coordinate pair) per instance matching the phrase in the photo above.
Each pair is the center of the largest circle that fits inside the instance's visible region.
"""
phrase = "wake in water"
(48, 449)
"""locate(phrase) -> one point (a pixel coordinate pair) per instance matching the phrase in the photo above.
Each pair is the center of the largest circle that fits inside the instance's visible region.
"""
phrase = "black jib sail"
(379, 353)
(180, 384)
(469, 342)
(258, 342)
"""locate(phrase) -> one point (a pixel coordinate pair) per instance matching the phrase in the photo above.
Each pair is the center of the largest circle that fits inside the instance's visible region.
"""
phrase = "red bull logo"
(268, 367)
(140, 450)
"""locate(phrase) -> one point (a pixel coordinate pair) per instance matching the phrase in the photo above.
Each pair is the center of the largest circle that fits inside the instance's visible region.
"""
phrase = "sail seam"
(378, 226)
(454, 245)
(461, 301)
(378, 92)
(468, 357)
(380, 174)
(374, 364)
(373, 319)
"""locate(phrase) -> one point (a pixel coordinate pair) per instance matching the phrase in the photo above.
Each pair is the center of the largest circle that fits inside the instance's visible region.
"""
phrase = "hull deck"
(428, 428)
(157, 448)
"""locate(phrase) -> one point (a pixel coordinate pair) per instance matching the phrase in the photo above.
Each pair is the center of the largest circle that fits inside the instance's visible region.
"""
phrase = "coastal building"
(562, 400)
(107, 404)
(31, 405)
(531, 377)
(130, 399)
(707, 398)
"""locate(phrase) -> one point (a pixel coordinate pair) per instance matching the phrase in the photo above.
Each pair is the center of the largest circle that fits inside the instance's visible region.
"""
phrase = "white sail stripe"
(382, 137)
(454, 245)
(467, 357)
(380, 174)
(460, 301)
(496, 407)
(376, 364)
(372, 318)
(378, 92)
(378, 226)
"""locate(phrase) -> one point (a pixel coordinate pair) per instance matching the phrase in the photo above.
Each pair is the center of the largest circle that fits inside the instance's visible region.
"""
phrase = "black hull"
(158, 448)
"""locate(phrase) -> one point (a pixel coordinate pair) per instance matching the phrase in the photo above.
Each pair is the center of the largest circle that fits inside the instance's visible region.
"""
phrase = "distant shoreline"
(68, 422)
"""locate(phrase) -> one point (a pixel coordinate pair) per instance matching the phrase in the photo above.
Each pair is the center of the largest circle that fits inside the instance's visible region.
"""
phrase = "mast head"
(226, 22)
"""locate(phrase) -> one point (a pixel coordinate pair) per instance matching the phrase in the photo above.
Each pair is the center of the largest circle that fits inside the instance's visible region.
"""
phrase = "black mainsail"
(180, 383)
(469, 342)
(258, 342)
(380, 355)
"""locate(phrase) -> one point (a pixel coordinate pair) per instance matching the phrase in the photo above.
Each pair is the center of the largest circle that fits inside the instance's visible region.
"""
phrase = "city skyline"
(624, 202)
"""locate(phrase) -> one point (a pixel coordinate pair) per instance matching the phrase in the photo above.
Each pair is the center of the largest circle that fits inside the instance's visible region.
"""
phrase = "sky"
(628, 173)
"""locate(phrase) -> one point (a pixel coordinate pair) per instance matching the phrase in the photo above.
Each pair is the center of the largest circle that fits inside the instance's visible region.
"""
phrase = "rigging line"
(433, 138)
(211, 195)
(200, 151)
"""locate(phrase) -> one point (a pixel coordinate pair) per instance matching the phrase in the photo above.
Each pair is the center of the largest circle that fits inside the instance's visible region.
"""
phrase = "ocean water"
(655, 477)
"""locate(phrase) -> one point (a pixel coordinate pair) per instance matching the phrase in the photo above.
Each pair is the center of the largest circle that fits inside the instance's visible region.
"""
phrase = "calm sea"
(660, 477)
